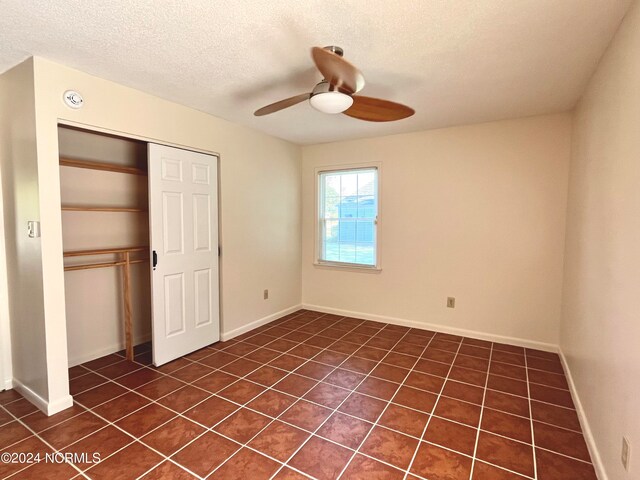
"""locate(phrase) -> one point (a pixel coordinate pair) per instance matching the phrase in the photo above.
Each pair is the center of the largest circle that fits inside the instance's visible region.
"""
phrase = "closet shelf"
(78, 208)
(105, 251)
(90, 266)
(108, 167)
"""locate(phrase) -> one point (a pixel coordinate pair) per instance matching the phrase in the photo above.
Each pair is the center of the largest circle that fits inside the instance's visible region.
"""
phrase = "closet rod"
(107, 167)
(105, 251)
(73, 208)
(90, 266)
(126, 263)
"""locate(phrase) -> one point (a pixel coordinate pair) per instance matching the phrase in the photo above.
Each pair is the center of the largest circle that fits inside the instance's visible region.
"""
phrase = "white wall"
(23, 255)
(260, 206)
(600, 332)
(474, 212)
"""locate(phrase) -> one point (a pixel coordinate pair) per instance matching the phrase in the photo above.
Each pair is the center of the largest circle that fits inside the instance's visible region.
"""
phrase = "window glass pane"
(332, 185)
(366, 206)
(349, 185)
(366, 183)
(347, 231)
(332, 207)
(365, 254)
(331, 244)
(364, 231)
(348, 252)
(348, 208)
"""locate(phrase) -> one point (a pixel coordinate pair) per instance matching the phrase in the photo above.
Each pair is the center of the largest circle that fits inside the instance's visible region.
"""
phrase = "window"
(348, 217)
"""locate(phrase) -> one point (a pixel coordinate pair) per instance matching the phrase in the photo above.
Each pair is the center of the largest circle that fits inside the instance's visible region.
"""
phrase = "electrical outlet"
(266, 294)
(626, 453)
(451, 302)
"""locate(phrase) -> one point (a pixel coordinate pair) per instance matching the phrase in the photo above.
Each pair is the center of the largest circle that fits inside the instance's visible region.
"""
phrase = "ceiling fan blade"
(377, 110)
(282, 104)
(337, 71)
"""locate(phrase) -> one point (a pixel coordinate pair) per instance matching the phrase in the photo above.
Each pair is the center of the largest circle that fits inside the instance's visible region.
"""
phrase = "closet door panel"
(183, 212)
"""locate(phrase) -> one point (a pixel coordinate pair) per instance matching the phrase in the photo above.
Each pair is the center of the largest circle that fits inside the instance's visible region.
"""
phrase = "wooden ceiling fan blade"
(282, 104)
(337, 71)
(377, 110)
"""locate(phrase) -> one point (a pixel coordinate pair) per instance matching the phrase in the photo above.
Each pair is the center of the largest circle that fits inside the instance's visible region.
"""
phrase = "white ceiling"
(454, 61)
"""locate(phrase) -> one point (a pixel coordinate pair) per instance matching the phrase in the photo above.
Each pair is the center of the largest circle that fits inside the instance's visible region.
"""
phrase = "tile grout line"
(318, 333)
(135, 439)
(42, 440)
(484, 396)
(301, 397)
(533, 435)
(253, 398)
(353, 390)
(279, 420)
(206, 429)
(389, 402)
(314, 379)
(317, 381)
(435, 405)
(277, 324)
(260, 412)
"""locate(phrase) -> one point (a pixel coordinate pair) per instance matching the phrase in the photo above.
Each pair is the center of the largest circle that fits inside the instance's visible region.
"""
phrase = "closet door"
(183, 212)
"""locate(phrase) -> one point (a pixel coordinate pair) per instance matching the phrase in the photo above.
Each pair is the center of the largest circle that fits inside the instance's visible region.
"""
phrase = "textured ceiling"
(454, 61)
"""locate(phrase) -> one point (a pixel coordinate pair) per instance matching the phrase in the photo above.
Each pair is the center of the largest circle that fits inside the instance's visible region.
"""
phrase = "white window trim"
(353, 267)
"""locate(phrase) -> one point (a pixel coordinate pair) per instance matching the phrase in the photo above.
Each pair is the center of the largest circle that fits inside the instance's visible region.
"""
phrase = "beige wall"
(23, 255)
(600, 332)
(474, 212)
(260, 206)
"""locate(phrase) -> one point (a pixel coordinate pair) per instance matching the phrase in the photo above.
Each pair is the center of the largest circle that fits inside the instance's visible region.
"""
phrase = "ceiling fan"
(336, 92)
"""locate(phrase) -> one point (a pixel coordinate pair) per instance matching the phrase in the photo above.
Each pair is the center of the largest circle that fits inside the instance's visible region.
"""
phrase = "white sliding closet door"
(183, 211)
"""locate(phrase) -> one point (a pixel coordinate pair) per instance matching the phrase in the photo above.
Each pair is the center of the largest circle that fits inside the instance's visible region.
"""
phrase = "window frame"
(318, 230)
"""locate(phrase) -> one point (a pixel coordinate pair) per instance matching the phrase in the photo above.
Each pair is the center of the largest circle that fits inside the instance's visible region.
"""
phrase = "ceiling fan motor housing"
(323, 87)
(337, 50)
(326, 98)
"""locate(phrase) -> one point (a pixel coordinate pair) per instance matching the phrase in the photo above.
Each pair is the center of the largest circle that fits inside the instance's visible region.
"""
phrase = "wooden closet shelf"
(108, 167)
(90, 266)
(104, 251)
(77, 208)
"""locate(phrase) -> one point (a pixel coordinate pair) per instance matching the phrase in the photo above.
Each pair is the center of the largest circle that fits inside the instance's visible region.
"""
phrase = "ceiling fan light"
(331, 102)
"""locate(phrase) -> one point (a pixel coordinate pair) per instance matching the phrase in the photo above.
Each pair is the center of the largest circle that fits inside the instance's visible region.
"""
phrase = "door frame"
(116, 133)
(6, 367)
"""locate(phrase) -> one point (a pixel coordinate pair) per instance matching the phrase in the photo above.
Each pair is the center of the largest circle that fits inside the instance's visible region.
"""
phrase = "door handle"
(155, 259)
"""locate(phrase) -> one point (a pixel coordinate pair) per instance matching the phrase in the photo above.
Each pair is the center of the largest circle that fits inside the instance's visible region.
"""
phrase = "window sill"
(347, 267)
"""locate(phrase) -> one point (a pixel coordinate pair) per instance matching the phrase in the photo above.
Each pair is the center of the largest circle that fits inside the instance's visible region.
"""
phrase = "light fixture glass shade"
(331, 102)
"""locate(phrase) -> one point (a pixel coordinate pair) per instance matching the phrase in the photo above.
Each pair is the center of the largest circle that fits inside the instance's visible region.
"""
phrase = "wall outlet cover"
(33, 229)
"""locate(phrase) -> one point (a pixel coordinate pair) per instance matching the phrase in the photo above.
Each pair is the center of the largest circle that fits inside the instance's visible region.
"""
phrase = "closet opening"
(105, 235)
(140, 248)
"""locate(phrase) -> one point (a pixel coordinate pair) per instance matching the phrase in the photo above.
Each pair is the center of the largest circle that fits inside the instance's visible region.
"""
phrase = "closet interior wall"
(94, 297)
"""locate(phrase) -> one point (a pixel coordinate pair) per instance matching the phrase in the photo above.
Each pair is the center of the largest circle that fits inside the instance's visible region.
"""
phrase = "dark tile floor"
(312, 395)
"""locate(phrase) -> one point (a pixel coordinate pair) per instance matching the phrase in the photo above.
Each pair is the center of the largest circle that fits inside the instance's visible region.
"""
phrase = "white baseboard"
(224, 336)
(584, 423)
(47, 407)
(116, 347)
(521, 342)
